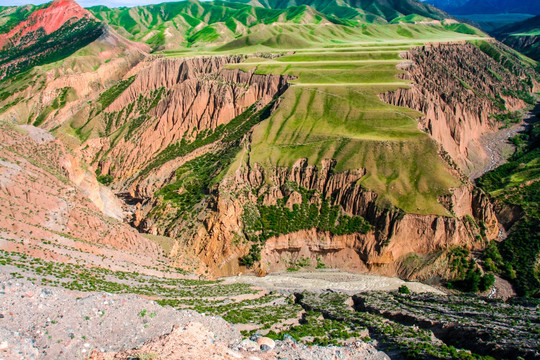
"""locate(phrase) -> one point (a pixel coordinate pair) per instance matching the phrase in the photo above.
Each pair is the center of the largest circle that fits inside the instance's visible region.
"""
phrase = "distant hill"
(267, 22)
(461, 7)
(523, 36)
(359, 9)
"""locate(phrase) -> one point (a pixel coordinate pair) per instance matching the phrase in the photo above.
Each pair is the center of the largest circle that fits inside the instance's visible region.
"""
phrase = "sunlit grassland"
(335, 38)
(333, 110)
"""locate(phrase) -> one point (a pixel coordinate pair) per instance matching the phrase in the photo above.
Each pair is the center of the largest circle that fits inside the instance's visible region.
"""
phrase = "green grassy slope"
(186, 24)
(524, 36)
(199, 24)
(38, 47)
(369, 10)
(333, 111)
(341, 64)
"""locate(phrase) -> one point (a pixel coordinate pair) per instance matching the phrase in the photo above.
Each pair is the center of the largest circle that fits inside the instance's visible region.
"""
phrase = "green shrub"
(403, 289)
(252, 257)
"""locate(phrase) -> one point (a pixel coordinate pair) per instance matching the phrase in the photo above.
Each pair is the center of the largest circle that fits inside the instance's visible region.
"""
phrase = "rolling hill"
(281, 25)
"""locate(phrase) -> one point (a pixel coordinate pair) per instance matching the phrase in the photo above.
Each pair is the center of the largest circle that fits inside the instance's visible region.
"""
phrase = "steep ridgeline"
(38, 35)
(465, 91)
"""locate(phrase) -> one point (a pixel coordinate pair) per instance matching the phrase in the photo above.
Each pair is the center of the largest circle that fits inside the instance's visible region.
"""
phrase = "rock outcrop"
(196, 96)
(459, 88)
(226, 222)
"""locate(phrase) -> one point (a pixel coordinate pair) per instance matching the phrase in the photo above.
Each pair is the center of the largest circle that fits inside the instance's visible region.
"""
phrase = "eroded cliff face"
(460, 88)
(228, 225)
(174, 100)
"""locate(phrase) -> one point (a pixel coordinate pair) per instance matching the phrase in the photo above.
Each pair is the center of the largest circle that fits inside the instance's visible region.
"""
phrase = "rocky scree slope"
(53, 209)
(44, 35)
(66, 324)
(427, 326)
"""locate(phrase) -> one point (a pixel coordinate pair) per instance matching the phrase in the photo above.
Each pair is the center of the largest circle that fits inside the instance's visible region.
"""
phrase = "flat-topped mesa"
(194, 95)
(460, 88)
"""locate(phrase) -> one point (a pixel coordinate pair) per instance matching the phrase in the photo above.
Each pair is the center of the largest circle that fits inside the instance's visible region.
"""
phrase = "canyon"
(270, 179)
(164, 115)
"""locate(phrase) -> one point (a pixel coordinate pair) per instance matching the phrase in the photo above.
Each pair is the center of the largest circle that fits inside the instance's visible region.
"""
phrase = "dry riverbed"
(322, 280)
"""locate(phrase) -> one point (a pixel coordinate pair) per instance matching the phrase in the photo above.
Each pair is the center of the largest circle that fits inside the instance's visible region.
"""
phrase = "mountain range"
(467, 7)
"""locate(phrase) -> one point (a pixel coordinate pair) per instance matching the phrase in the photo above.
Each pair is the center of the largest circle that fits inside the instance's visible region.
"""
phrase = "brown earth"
(53, 209)
(199, 94)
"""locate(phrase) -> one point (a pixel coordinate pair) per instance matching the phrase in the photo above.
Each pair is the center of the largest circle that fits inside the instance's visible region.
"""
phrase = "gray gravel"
(65, 324)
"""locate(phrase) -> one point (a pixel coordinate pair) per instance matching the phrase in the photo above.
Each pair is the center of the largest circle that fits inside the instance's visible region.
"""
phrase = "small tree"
(403, 289)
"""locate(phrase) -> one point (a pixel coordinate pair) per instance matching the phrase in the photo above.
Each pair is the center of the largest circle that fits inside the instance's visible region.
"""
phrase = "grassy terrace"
(333, 109)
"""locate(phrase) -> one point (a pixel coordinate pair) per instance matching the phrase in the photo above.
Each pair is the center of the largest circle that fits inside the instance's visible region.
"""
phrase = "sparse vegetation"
(517, 184)
(107, 97)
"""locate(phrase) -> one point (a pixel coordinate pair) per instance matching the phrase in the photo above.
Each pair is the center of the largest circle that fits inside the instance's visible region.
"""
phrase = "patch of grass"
(107, 97)
(351, 124)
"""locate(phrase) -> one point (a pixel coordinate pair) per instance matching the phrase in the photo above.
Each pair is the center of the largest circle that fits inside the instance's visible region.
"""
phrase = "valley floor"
(336, 280)
(52, 310)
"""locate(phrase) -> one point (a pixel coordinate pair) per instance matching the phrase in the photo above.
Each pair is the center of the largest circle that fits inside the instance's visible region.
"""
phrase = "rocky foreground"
(52, 323)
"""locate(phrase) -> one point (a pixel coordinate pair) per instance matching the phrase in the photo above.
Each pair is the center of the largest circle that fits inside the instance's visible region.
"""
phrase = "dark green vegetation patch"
(40, 48)
(516, 185)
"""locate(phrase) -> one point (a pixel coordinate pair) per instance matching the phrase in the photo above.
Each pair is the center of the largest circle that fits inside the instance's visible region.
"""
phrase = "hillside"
(370, 10)
(255, 138)
(277, 25)
(36, 35)
(524, 36)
